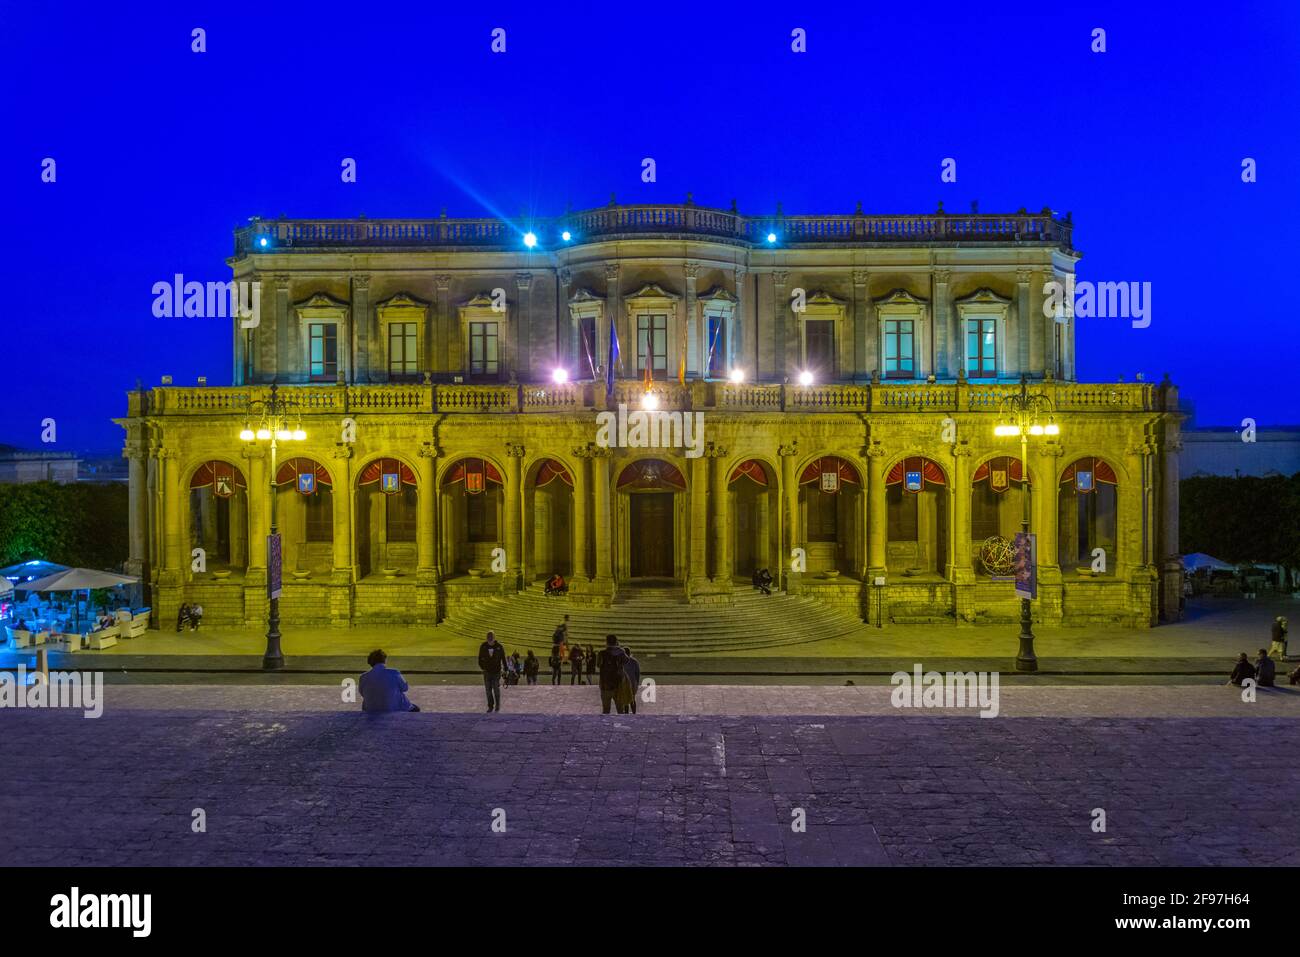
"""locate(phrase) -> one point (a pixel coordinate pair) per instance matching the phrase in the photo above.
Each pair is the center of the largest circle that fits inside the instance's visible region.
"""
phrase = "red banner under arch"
(288, 472)
(652, 474)
(751, 469)
(379, 467)
(1099, 469)
(222, 477)
(1000, 472)
(829, 464)
(549, 471)
(475, 473)
(930, 470)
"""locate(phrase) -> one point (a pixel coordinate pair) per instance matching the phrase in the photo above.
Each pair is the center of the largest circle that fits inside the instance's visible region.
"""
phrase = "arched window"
(1088, 504)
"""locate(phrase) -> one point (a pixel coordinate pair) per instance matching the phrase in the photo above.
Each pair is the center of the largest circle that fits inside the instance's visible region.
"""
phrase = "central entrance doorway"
(652, 534)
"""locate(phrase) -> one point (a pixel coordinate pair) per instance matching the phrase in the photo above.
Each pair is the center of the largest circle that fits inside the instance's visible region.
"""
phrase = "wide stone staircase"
(655, 621)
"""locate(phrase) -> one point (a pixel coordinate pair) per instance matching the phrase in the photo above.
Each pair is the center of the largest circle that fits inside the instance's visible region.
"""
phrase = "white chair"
(71, 639)
(104, 638)
(122, 615)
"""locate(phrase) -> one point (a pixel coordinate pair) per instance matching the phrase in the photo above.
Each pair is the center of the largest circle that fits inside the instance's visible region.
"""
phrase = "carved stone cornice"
(523, 280)
(780, 278)
(1023, 274)
(860, 277)
(566, 276)
(875, 450)
(1051, 449)
(166, 455)
(942, 275)
(692, 270)
(515, 450)
(611, 271)
(428, 450)
(361, 282)
(1141, 448)
(714, 451)
(787, 449)
(600, 452)
(342, 450)
(442, 282)
(961, 449)
(253, 451)
(282, 278)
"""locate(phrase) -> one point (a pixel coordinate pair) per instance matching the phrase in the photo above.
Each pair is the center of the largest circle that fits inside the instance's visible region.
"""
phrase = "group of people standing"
(613, 668)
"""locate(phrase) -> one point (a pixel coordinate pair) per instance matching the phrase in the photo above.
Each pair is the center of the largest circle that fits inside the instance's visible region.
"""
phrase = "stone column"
(275, 335)
(699, 523)
(426, 517)
(789, 518)
(692, 326)
(1046, 357)
(781, 308)
(1044, 500)
(612, 310)
(947, 341)
(721, 518)
(1171, 558)
(367, 349)
(863, 360)
(259, 513)
(442, 326)
(736, 342)
(136, 453)
(580, 570)
(600, 485)
(959, 556)
(876, 507)
(341, 497)
(520, 359)
(173, 528)
(1029, 330)
(513, 538)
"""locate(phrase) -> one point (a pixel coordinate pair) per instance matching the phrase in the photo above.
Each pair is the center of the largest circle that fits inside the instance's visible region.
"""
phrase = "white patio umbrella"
(79, 579)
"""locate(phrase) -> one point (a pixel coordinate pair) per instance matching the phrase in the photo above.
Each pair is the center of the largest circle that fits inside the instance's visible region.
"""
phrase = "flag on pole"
(611, 358)
(649, 374)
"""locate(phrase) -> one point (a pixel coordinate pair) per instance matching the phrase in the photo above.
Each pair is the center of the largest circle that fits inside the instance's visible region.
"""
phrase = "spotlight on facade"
(560, 376)
(771, 238)
(263, 242)
(299, 435)
(530, 240)
(247, 435)
(1053, 429)
(284, 435)
(649, 401)
(566, 235)
(1005, 430)
(263, 435)
(805, 378)
(1036, 429)
(737, 376)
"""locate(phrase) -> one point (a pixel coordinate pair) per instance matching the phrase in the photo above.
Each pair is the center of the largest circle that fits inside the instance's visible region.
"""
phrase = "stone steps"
(656, 621)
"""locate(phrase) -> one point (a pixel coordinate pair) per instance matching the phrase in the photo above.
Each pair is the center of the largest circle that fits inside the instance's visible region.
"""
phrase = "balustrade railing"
(885, 397)
(291, 234)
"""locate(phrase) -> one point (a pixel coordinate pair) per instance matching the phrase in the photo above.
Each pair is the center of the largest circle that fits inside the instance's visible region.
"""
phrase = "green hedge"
(85, 526)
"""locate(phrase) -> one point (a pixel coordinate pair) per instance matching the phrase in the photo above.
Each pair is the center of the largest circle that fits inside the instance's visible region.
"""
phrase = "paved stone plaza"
(290, 775)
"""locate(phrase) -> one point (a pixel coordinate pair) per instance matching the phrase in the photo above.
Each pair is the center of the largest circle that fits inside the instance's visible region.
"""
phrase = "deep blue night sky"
(162, 152)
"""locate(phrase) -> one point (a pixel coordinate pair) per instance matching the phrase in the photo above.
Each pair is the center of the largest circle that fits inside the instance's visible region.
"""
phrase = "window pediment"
(900, 298)
(321, 306)
(820, 304)
(652, 295)
(402, 303)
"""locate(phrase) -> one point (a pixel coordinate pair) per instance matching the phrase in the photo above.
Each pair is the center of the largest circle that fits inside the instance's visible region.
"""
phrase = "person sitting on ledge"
(1265, 669)
(763, 580)
(1243, 670)
(383, 688)
(556, 585)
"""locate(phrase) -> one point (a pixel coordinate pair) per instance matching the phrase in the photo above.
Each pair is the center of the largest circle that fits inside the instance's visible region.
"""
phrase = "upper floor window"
(717, 346)
(588, 351)
(819, 341)
(402, 358)
(899, 342)
(324, 351)
(484, 350)
(981, 347)
(652, 343)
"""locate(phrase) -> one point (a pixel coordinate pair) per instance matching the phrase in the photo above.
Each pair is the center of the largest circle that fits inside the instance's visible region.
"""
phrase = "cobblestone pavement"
(297, 782)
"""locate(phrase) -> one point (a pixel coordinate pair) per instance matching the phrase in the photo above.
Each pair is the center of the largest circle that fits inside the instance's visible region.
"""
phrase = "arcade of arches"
(408, 538)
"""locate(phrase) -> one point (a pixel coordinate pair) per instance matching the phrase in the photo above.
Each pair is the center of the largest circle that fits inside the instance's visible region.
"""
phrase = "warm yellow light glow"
(1053, 428)
(299, 435)
(650, 401)
(1005, 430)
(737, 376)
(247, 435)
(805, 378)
(284, 435)
(263, 434)
(1035, 429)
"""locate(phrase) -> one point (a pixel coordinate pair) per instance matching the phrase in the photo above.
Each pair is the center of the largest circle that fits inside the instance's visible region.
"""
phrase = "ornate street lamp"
(272, 417)
(1026, 415)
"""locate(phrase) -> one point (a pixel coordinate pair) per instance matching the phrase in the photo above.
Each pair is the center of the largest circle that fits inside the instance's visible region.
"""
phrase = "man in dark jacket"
(612, 662)
(575, 664)
(1242, 670)
(491, 661)
(1265, 669)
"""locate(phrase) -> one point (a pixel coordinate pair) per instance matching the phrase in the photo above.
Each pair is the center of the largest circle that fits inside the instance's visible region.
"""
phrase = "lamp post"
(1020, 414)
(272, 416)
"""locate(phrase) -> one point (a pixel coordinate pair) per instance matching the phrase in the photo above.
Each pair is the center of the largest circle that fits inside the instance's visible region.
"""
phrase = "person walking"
(1278, 646)
(575, 664)
(633, 669)
(531, 667)
(556, 662)
(613, 676)
(491, 661)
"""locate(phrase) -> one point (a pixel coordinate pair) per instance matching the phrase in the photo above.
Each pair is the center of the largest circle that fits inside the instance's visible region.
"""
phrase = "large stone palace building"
(826, 390)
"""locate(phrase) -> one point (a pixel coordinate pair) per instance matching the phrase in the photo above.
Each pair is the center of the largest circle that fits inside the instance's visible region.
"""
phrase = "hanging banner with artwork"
(224, 479)
(1087, 473)
(915, 473)
(1026, 565)
(829, 473)
(304, 474)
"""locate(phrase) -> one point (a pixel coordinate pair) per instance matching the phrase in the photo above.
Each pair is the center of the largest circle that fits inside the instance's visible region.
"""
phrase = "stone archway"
(916, 505)
(304, 495)
(1087, 511)
(218, 517)
(831, 504)
(473, 515)
(548, 530)
(998, 488)
(755, 518)
(651, 519)
(387, 506)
